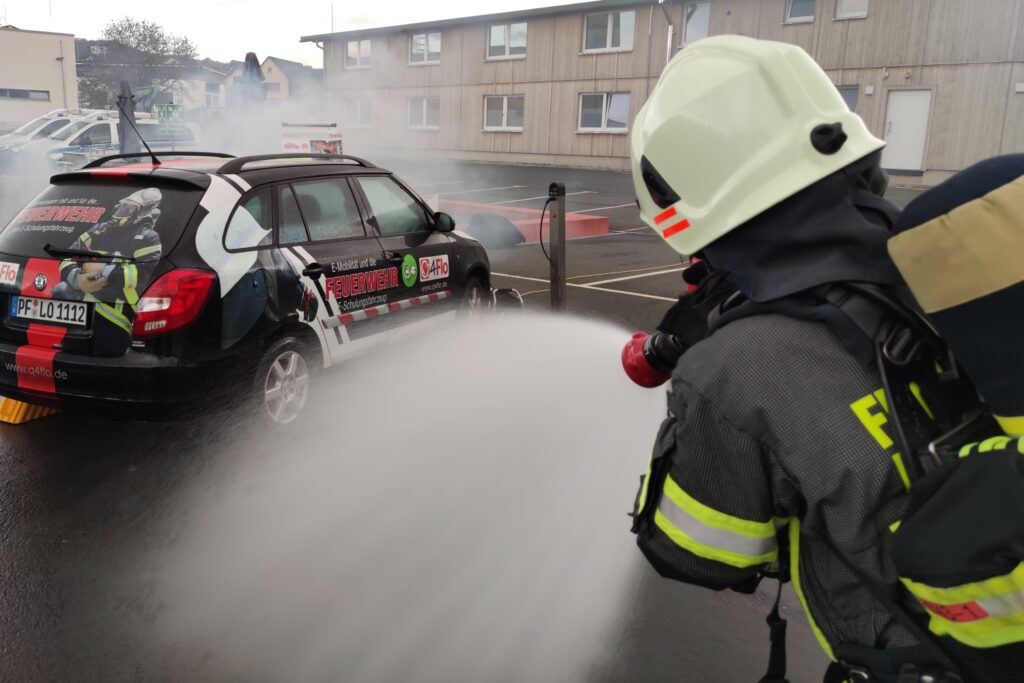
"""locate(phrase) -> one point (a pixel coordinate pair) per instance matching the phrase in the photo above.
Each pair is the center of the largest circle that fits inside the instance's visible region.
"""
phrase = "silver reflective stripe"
(713, 536)
(1003, 605)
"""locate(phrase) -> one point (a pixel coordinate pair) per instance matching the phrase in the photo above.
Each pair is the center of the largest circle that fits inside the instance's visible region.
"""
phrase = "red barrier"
(527, 221)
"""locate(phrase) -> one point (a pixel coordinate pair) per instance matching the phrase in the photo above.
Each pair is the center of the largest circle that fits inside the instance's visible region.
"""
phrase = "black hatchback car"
(141, 287)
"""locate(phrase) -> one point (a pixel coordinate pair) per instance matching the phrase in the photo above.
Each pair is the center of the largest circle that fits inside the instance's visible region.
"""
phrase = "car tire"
(474, 299)
(283, 382)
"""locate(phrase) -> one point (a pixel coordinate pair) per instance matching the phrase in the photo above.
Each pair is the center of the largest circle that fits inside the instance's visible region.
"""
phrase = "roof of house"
(9, 27)
(572, 8)
(294, 71)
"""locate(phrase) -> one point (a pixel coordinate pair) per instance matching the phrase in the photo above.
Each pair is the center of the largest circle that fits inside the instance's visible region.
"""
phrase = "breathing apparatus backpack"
(959, 549)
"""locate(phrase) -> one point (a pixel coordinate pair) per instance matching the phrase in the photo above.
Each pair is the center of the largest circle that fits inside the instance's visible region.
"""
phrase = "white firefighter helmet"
(734, 126)
(138, 204)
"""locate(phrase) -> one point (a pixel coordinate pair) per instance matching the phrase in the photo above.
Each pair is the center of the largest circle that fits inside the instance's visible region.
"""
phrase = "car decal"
(40, 271)
(33, 362)
(384, 309)
(237, 181)
(219, 200)
(304, 258)
(296, 264)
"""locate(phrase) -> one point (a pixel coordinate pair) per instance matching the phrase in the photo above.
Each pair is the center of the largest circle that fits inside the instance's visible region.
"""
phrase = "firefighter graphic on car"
(128, 247)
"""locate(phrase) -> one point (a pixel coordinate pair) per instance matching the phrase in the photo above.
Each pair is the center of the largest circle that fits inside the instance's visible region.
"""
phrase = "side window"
(330, 209)
(292, 230)
(397, 213)
(50, 128)
(96, 135)
(251, 224)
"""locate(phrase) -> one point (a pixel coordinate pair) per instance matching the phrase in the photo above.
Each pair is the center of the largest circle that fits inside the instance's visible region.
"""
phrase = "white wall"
(30, 61)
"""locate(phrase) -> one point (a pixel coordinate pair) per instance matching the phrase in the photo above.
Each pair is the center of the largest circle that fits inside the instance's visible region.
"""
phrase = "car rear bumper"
(136, 384)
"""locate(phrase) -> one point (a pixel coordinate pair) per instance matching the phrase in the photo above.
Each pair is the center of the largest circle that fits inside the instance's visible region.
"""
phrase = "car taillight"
(172, 301)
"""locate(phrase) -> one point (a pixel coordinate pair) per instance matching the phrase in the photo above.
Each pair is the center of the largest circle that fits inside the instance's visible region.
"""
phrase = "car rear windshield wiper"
(54, 251)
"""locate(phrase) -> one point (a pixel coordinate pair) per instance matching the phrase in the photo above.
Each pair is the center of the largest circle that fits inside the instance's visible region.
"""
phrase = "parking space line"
(448, 182)
(622, 272)
(483, 189)
(530, 199)
(605, 208)
(590, 287)
(634, 277)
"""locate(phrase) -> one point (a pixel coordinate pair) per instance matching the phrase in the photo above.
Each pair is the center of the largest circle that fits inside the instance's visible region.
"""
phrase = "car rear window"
(63, 212)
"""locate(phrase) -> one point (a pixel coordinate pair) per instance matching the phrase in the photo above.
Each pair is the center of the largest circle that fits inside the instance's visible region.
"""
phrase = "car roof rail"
(135, 155)
(237, 164)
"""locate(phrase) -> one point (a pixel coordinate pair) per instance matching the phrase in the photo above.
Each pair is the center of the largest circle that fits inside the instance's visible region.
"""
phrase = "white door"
(906, 127)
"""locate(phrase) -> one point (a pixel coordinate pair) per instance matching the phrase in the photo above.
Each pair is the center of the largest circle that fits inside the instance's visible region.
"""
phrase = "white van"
(95, 137)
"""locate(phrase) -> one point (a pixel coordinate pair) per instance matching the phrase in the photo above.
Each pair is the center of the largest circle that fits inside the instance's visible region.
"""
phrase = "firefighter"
(114, 284)
(777, 456)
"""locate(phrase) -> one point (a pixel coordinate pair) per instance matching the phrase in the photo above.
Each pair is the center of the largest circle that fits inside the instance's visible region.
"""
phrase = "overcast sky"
(227, 29)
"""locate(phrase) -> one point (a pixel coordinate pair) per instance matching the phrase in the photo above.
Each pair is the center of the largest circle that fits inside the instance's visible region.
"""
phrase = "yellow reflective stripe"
(131, 281)
(146, 250)
(114, 317)
(984, 633)
(794, 575)
(1013, 426)
(994, 443)
(708, 552)
(643, 487)
(711, 534)
(85, 238)
(969, 592)
(915, 389)
(897, 460)
(717, 519)
(895, 526)
(982, 614)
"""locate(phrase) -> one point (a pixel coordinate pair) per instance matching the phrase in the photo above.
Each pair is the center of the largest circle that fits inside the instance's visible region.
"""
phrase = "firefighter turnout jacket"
(137, 240)
(778, 447)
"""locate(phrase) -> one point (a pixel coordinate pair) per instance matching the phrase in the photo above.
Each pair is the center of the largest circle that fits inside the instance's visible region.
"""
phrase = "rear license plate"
(49, 310)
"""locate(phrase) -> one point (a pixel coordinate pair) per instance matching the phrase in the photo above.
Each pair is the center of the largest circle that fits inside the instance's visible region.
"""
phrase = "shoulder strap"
(858, 321)
(776, 672)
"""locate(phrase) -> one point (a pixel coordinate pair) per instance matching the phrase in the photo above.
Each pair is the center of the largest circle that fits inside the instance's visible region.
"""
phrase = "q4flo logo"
(410, 270)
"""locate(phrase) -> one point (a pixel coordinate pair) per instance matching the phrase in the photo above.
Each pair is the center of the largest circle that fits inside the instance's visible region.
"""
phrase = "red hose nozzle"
(637, 366)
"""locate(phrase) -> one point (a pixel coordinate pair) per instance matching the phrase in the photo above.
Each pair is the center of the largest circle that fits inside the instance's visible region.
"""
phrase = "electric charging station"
(556, 199)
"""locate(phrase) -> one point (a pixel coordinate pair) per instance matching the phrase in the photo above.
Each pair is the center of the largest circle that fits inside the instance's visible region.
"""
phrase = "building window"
(272, 87)
(18, 94)
(357, 54)
(849, 93)
(608, 31)
(604, 112)
(798, 11)
(698, 16)
(425, 112)
(355, 112)
(504, 112)
(213, 94)
(506, 40)
(425, 48)
(851, 9)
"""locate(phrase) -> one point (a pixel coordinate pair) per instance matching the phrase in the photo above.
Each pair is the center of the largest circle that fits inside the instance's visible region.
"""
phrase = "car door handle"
(313, 270)
(395, 257)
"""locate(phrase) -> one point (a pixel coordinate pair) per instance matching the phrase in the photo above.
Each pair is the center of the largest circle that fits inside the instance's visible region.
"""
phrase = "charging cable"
(541, 230)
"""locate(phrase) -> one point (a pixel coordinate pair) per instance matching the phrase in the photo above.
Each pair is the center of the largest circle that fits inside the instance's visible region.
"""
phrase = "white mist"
(455, 510)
